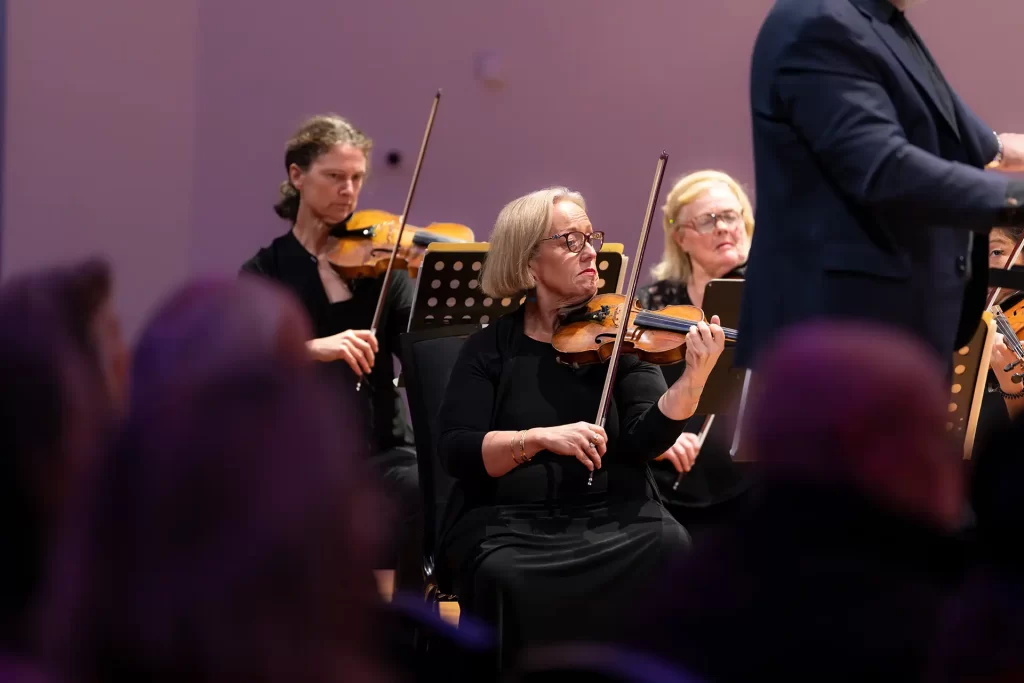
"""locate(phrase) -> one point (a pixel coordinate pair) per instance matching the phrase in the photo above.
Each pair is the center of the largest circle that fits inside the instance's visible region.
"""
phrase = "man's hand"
(1013, 152)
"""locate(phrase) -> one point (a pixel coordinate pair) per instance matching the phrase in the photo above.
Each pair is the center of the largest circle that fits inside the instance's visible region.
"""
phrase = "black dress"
(715, 485)
(386, 428)
(560, 557)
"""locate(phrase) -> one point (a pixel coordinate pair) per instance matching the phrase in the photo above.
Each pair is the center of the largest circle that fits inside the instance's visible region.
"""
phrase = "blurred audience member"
(983, 631)
(63, 365)
(214, 324)
(225, 539)
(838, 570)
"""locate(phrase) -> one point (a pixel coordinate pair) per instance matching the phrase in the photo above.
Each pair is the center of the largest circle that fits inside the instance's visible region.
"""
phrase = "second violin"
(587, 335)
(365, 249)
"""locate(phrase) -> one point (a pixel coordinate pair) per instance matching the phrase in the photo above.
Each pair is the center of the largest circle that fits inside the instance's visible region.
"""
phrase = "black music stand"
(1007, 279)
(722, 390)
(448, 285)
(725, 383)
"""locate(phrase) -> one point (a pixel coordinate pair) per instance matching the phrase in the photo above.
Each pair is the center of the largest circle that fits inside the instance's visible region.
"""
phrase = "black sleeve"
(399, 303)
(465, 414)
(257, 265)
(644, 431)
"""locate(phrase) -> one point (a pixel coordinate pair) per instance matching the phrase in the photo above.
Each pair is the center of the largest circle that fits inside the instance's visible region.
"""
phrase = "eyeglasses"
(707, 222)
(575, 241)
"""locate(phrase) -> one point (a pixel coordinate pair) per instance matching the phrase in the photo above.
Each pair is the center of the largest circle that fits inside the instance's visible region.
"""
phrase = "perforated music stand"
(448, 285)
(970, 379)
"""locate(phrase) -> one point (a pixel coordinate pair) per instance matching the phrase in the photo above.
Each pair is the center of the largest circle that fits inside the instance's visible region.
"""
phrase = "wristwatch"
(998, 160)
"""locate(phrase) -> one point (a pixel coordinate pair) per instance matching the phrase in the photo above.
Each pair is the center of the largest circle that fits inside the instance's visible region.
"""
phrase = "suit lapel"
(913, 66)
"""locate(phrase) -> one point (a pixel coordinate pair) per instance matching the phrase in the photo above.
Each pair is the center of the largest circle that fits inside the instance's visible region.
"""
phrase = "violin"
(1010, 324)
(364, 250)
(587, 335)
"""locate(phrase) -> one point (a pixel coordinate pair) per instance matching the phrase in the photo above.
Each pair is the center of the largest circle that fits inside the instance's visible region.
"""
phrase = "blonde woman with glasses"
(708, 223)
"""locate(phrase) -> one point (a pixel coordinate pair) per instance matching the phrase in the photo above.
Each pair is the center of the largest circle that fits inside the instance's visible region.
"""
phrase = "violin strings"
(1009, 336)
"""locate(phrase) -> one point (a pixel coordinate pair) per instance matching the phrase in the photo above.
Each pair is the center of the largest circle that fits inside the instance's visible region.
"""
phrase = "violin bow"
(401, 225)
(627, 303)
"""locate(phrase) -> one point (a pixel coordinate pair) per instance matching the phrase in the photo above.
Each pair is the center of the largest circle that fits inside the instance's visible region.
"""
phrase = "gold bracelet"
(512, 447)
(522, 446)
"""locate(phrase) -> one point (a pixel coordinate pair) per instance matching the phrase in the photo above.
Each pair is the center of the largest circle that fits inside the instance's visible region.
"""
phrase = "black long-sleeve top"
(504, 380)
(287, 262)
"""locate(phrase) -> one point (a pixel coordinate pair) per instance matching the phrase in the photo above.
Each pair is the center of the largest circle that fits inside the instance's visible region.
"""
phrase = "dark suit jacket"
(871, 201)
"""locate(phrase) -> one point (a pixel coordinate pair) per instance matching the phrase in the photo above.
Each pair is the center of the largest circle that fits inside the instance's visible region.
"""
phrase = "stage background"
(153, 133)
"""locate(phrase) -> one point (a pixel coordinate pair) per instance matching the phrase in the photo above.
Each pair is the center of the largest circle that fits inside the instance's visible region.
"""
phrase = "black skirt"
(551, 573)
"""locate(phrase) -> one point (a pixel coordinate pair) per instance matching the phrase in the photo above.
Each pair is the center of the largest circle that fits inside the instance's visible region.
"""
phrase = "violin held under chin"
(364, 250)
(587, 335)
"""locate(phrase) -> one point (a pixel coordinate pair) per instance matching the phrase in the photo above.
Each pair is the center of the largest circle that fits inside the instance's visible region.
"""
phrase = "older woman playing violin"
(558, 555)
(708, 223)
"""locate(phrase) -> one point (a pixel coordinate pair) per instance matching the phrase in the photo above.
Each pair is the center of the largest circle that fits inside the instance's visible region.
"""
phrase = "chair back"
(428, 357)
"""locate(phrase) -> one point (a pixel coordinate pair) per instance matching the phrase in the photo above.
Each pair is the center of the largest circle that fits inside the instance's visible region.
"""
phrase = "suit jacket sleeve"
(980, 134)
(833, 93)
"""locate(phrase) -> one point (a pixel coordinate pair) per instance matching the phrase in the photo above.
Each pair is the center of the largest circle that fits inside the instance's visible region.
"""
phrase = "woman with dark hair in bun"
(326, 162)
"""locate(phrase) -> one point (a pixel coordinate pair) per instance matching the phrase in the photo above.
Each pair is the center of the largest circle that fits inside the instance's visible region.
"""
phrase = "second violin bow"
(401, 226)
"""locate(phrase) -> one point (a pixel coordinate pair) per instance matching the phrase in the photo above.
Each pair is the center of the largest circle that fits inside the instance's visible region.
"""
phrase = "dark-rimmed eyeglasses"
(575, 241)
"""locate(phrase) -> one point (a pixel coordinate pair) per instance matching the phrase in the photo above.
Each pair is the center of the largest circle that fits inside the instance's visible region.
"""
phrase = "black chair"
(428, 357)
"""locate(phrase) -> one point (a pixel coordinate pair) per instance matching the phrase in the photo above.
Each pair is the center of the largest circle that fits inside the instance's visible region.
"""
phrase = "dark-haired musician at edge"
(1004, 399)
(326, 162)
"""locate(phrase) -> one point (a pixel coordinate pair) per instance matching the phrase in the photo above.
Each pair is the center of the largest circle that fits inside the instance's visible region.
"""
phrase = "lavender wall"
(99, 140)
(158, 133)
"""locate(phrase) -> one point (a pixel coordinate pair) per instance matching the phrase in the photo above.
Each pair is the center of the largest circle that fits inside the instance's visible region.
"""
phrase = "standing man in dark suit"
(872, 201)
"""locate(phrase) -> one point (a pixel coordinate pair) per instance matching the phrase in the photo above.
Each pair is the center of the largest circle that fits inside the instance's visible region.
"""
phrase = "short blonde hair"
(520, 227)
(675, 263)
